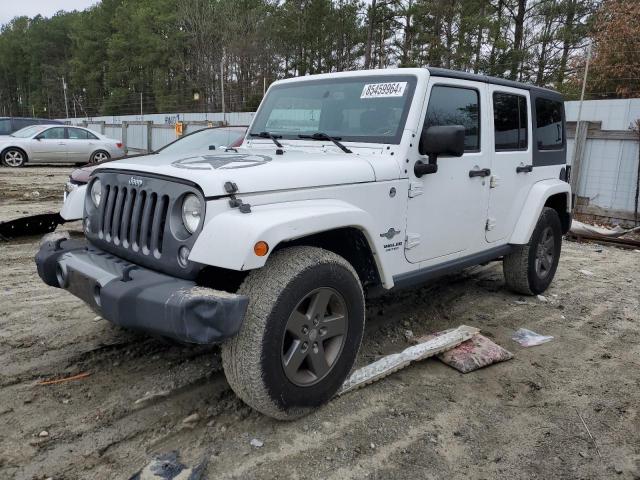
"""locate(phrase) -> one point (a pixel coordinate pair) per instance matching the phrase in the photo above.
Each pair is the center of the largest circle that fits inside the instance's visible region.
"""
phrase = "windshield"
(27, 132)
(203, 140)
(358, 109)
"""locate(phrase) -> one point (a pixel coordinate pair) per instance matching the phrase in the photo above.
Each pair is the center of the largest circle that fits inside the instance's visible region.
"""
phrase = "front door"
(511, 166)
(447, 209)
(50, 146)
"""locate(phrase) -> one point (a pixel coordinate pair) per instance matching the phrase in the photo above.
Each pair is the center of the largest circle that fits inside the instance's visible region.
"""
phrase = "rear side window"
(79, 134)
(456, 106)
(549, 128)
(5, 126)
(510, 121)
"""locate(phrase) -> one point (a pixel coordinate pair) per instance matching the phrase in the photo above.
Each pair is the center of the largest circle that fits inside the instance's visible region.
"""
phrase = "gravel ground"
(519, 419)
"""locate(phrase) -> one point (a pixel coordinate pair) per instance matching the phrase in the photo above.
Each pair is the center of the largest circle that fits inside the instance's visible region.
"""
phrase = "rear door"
(50, 146)
(511, 159)
(447, 209)
(80, 144)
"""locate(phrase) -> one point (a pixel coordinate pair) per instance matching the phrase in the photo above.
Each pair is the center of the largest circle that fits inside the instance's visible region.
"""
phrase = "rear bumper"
(138, 298)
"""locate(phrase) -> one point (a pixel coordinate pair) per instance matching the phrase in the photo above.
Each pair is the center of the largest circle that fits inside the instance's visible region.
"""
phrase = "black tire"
(14, 157)
(529, 269)
(254, 360)
(99, 156)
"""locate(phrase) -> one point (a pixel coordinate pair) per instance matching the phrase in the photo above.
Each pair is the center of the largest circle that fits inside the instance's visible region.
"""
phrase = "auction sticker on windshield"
(378, 90)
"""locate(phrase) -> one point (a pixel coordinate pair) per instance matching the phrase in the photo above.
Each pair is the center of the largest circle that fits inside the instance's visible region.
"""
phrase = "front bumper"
(138, 298)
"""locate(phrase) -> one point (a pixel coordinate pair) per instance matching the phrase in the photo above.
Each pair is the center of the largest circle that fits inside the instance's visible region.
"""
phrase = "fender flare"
(227, 240)
(533, 205)
(73, 206)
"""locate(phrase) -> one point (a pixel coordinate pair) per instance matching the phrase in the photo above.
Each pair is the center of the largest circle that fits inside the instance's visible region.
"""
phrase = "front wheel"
(14, 157)
(301, 333)
(529, 269)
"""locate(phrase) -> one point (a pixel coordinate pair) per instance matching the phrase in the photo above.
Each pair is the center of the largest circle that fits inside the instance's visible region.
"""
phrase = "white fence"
(154, 133)
(606, 178)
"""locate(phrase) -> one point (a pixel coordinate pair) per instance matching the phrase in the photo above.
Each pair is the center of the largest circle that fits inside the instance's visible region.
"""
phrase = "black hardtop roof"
(443, 72)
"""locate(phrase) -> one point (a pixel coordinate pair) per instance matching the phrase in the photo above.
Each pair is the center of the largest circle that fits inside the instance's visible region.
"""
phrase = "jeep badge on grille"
(135, 182)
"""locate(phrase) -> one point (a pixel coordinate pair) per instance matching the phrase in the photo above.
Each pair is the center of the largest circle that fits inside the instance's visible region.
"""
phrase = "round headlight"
(96, 192)
(191, 212)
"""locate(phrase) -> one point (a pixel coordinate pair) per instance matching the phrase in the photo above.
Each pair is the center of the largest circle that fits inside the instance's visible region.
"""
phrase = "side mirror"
(439, 140)
(38, 138)
(212, 147)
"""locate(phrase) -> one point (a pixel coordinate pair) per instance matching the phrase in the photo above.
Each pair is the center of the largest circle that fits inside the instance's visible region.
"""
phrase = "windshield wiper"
(324, 136)
(268, 135)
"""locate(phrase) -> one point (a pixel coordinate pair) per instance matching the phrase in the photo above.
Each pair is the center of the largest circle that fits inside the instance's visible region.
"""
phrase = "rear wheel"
(99, 156)
(530, 268)
(300, 335)
(14, 157)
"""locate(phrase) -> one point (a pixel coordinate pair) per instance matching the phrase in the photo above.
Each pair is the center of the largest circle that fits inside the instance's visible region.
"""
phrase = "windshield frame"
(411, 80)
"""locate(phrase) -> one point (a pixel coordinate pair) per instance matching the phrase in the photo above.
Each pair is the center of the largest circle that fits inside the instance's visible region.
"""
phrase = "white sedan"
(57, 144)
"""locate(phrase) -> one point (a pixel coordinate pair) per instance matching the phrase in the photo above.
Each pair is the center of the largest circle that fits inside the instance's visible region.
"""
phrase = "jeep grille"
(134, 218)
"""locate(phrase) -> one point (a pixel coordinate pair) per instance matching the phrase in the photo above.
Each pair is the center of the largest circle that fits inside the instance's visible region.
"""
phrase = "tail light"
(119, 145)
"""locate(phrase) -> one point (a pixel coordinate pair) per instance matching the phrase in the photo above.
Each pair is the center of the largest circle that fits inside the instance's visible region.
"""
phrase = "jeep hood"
(253, 170)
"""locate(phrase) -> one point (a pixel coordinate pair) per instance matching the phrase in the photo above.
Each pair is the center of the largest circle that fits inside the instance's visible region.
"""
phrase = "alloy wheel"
(100, 157)
(314, 336)
(545, 253)
(14, 158)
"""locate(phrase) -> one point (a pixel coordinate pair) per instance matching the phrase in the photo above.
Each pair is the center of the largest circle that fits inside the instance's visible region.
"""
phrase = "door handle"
(524, 169)
(479, 172)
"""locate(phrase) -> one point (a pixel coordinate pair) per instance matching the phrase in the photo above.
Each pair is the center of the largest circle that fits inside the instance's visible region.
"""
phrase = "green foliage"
(121, 53)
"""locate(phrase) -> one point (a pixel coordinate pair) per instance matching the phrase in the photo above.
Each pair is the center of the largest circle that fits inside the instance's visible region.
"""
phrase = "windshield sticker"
(223, 162)
(381, 90)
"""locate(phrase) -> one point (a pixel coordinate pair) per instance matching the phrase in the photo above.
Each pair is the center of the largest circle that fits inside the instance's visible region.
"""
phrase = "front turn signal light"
(261, 248)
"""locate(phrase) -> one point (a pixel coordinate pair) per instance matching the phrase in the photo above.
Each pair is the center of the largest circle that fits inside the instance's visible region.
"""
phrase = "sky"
(46, 8)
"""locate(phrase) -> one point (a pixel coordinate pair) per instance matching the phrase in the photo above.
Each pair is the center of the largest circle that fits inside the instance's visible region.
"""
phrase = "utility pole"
(580, 133)
(66, 101)
(141, 114)
(222, 86)
(367, 50)
(264, 86)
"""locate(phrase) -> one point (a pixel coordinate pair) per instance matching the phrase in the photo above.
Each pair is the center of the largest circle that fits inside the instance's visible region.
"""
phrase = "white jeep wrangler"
(346, 185)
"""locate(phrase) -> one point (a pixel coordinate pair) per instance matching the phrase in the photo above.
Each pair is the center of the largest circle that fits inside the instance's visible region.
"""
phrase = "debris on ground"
(65, 379)
(475, 353)
(588, 273)
(167, 466)
(193, 418)
(397, 361)
(543, 299)
(256, 442)
(527, 338)
(583, 229)
(149, 396)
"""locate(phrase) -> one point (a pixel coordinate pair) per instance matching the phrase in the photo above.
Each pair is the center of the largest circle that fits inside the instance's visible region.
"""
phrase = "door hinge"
(415, 189)
(494, 182)
(412, 240)
(490, 225)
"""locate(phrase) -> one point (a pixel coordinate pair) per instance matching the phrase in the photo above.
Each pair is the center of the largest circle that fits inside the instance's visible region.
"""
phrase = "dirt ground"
(522, 419)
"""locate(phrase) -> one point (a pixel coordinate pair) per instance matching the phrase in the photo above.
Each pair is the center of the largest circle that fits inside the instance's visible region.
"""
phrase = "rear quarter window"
(549, 124)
